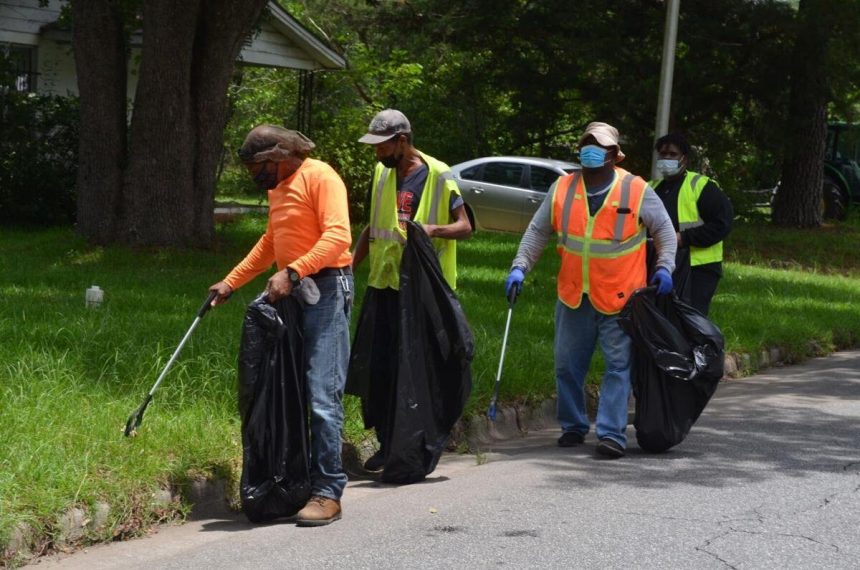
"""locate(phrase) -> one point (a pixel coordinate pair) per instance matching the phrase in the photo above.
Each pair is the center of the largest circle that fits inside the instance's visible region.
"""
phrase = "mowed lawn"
(71, 375)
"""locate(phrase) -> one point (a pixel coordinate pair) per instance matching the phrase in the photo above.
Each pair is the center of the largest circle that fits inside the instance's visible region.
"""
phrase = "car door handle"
(535, 200)
(477, 190)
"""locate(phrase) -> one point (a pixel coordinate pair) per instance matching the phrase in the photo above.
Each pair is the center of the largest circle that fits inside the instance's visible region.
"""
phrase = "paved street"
(768, 478)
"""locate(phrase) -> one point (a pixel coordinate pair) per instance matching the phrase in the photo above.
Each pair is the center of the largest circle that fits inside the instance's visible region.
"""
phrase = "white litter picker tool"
(512, 298)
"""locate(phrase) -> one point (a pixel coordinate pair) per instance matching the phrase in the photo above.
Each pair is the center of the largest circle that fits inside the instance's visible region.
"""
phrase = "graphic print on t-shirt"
(409, 191)
(405, 211)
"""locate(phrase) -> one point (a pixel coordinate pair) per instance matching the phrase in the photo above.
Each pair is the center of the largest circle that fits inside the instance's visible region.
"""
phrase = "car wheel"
(834, 202)
(471, 218)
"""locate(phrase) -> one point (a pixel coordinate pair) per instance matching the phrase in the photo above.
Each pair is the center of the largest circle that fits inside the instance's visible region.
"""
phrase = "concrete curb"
(212, 498)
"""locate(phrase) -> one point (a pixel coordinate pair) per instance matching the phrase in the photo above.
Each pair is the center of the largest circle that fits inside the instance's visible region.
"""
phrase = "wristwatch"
(294, 276)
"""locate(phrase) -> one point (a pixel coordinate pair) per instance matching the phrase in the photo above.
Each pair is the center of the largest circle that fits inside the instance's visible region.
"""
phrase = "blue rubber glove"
(663, 280)
(515, 279)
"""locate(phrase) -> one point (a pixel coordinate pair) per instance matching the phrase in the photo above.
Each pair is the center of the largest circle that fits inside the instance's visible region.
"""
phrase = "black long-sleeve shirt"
(715, 210)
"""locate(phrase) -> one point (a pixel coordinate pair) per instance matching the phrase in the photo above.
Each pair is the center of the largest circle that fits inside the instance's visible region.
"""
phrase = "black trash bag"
(433, 379)
(275, 478)
(678, 361)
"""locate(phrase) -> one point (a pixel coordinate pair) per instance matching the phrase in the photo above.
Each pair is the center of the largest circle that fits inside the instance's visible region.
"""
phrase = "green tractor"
(841, 170)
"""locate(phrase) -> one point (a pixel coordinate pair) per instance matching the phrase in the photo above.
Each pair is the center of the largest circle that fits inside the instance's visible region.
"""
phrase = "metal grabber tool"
(136, 417)
(512, 298)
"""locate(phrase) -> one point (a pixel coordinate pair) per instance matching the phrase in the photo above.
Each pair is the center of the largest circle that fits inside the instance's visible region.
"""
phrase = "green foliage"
(511, 77)
(256, 96)
(38, 155)
(843, 65)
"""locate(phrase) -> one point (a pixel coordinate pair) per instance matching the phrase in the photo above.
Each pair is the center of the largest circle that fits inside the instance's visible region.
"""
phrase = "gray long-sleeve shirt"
(653, 214)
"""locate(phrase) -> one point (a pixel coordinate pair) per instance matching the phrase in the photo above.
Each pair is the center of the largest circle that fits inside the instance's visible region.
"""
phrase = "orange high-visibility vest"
(603, 255)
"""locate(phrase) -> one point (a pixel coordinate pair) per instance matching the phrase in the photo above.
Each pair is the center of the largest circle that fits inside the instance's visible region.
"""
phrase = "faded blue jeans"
(576, 334)
(326, 339)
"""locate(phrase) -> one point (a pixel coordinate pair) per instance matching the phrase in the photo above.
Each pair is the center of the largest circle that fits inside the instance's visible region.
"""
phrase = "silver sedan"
(503, 192)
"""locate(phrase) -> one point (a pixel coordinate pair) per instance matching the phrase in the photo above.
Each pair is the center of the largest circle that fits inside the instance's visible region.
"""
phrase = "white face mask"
(668, 166)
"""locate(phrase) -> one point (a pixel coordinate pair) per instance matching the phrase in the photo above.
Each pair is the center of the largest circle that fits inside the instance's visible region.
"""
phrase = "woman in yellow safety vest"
(701, 213)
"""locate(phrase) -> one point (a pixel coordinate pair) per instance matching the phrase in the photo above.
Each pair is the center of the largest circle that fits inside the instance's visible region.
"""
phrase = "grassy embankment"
(69, 376)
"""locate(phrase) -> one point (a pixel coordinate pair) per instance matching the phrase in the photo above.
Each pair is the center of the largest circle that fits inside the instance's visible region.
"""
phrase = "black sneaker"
(375, 462)
(570, 438)
(609, 448)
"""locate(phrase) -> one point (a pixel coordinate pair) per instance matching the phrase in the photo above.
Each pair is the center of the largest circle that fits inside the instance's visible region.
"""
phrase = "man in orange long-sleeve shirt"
(307, 236)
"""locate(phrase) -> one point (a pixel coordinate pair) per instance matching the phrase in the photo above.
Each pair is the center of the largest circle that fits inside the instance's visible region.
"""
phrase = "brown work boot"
(319, 511)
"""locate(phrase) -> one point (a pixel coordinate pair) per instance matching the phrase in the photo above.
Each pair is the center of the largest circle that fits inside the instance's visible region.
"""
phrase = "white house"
(42, 50)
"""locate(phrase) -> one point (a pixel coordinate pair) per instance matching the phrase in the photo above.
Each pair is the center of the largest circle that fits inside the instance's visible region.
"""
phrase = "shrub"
(38, 156)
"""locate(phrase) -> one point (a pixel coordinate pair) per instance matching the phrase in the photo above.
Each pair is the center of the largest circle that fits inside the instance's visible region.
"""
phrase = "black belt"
(332, 272)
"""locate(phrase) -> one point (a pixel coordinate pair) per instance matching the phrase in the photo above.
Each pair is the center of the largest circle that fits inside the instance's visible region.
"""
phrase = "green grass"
(70, 376)
(240, 200)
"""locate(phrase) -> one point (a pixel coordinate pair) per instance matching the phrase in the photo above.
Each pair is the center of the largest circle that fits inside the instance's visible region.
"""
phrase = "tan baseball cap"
(385, 125)
(605, 134)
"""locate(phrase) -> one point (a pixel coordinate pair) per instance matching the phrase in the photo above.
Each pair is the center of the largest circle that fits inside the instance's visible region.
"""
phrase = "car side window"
(505, 173)
(542, 178)
(471, 173)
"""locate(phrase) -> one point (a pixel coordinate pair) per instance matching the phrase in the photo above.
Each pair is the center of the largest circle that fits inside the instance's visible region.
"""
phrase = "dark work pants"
(702, 288)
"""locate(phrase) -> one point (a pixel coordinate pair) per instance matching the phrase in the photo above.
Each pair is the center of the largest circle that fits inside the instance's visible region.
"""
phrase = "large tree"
(825, 71)
(152, 182)
(799, 196)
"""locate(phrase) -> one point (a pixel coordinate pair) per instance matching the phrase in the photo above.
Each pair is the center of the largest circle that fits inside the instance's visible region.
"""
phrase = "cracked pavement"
(769, 477)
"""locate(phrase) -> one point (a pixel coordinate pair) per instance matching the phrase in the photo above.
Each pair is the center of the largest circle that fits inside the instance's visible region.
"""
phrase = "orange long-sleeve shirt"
(308, 226)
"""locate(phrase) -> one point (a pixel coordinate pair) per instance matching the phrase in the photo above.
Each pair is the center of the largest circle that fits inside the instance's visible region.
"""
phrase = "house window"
(20, 66)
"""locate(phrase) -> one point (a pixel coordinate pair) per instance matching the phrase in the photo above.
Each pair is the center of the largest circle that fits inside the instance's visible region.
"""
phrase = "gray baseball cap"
(385, 125)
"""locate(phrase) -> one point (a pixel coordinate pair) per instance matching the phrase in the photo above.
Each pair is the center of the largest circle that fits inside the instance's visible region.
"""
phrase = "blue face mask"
(592, 156)
(668, 166)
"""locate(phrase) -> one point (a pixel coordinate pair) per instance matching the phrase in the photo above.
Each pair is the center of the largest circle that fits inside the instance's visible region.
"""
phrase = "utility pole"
(664, 96)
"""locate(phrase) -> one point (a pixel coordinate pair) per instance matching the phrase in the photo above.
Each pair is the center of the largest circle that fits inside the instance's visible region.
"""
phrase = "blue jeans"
(326, 336)
(576, 333)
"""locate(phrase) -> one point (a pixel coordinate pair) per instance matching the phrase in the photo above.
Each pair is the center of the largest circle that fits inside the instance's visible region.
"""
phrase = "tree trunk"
(100, 49)
(156, 185)
(798, 202)
(159, 182)
(222, 30)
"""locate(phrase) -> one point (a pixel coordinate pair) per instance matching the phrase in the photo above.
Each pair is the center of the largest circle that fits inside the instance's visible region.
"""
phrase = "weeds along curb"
(80, 526)
(477, 431)
(208, 498)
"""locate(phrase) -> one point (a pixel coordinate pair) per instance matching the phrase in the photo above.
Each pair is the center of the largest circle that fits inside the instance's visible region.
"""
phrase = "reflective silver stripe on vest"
(690, 225)
(379, 187)
(623, 204)
(695, 181)
(576, 244)
(387, 235)
(565, 212)
(437, 195)
(375, 231)
(699, 221)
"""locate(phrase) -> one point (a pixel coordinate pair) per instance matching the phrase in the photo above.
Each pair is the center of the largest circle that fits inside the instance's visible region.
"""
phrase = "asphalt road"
(768, 478)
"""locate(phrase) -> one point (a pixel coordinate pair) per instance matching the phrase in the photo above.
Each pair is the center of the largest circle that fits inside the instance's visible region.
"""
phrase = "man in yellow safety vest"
(408, 185)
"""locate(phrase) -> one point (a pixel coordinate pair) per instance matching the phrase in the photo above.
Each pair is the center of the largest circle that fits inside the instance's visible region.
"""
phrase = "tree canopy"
(475, 78)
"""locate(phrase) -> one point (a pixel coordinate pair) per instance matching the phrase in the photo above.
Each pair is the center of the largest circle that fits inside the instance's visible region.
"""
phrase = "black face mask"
(390, 161)
(266, 179)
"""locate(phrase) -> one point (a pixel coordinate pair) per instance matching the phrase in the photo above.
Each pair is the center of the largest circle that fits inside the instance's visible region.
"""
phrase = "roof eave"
(290, 27)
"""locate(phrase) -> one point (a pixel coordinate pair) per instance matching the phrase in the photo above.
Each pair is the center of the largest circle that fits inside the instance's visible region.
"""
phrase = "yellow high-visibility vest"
(386, 236)
(688, 216)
